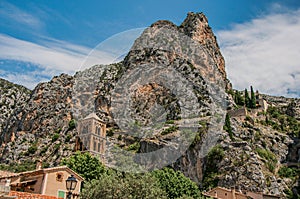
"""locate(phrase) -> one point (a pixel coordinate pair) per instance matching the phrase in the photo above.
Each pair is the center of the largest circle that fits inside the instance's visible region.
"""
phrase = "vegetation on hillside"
(214, 157)
(102, 182)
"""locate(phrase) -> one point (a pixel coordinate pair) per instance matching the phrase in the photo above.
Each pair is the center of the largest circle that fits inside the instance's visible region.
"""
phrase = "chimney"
(39, 165)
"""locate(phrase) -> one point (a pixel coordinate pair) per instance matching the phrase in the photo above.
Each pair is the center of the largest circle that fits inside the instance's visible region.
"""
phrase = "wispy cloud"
(264, 53)
(10, 11)
(51, 56)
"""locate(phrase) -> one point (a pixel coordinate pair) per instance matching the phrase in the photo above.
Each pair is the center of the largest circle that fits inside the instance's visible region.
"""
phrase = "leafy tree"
(123, 186)
(227, 127)
(253, 99)
(175, 184)
(86, 165)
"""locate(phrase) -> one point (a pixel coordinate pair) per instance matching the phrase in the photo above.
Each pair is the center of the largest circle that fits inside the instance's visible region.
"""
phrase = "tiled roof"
(41, 171)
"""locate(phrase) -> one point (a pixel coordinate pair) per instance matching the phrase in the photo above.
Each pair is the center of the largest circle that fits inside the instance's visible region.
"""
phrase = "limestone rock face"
(12, 100)
(36, 124)
(45, 113)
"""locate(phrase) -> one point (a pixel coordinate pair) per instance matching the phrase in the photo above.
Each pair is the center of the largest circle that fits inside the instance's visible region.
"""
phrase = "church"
(92, 136)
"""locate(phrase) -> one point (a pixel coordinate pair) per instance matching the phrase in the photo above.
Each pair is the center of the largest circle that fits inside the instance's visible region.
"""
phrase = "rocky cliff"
(172, 76)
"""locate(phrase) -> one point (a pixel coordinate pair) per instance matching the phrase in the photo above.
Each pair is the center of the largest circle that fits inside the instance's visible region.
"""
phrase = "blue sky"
(258, 38)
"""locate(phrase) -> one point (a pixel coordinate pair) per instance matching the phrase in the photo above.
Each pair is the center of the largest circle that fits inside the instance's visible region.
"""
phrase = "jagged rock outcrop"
(196, 26)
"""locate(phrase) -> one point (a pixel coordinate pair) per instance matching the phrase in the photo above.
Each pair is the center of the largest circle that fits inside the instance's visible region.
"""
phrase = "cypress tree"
(253, 99)
(227, 126)
(247, 99)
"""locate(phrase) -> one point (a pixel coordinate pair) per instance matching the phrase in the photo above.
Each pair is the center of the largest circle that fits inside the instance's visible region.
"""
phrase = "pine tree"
(253, 99)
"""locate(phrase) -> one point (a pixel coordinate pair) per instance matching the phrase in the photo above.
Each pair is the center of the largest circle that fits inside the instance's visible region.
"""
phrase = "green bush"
(273, 111)
(170, 122)
(110, 132)
(68, 138)
(55, 137)
(134, 147)
(32, 149)
(169, 130)
(56, 146)
(286, 172)
(72, 124)
(270, 158)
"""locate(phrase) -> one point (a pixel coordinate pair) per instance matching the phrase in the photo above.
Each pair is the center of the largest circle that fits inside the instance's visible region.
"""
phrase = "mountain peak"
(196, 26)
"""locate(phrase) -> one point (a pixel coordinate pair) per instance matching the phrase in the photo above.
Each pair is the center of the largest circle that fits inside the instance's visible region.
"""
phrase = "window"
(98, 130)
(99, 147)
(95, 146)
(61, 195)
(102, 146)
(59, 177)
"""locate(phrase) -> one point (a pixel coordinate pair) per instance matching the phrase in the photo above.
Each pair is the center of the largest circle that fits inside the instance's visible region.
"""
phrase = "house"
(223, 193)
(49, 182)
(92, 135)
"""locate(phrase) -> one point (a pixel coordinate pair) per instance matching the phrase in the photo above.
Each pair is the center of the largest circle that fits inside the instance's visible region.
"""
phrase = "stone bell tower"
(92, 133)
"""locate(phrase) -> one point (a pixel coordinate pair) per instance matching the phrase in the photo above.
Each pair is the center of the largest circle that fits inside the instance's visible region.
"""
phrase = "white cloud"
(50, 54)
(12, 12)
(54, 56)
(264, 53)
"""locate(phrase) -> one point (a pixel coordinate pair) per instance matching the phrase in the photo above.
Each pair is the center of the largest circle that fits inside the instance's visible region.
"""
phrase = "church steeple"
(92, 133)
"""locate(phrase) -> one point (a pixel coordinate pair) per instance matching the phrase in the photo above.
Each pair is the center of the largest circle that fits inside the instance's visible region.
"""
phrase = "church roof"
(92, 116)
